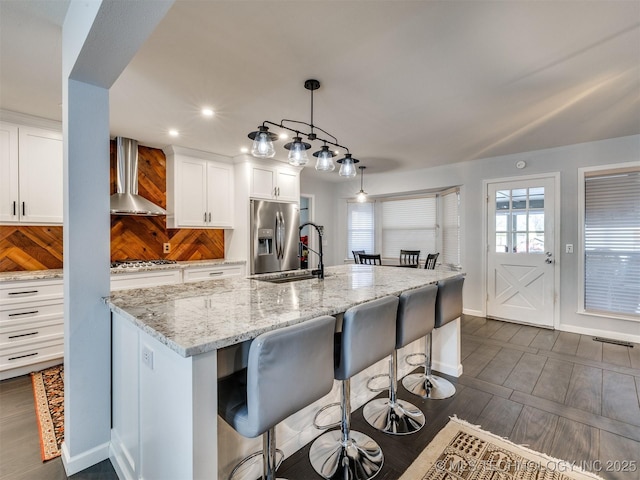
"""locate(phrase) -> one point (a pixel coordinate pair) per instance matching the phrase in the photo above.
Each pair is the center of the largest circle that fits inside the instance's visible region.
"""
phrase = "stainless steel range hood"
(126, 200)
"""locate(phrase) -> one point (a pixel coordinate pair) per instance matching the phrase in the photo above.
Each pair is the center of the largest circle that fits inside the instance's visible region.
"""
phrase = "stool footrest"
(330, 425)
(251, 457)
(414, 363)
(378, 389)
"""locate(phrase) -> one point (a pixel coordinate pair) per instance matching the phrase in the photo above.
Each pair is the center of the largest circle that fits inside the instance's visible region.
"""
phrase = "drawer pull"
(23, 356)
(213, 274)
(28, 292)
(24, 335)
(22, 313)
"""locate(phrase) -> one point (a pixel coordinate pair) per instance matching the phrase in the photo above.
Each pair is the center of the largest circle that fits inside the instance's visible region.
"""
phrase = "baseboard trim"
(447, 369)
(86, 459)
(626, 337)
(473, 313)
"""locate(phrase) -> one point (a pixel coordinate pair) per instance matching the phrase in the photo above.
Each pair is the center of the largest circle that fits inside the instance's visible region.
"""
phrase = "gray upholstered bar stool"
(415, 319)
(288, 369)
(368, 336)
(448, 308)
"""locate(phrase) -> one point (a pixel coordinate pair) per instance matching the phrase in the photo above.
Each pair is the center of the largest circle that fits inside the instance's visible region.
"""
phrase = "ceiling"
(405, 84)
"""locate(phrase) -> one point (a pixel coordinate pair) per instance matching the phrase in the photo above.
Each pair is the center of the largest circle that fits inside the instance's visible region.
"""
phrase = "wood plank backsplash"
(132, 237)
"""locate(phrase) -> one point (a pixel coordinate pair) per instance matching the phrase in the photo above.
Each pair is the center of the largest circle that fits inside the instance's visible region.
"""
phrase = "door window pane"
(519, 224)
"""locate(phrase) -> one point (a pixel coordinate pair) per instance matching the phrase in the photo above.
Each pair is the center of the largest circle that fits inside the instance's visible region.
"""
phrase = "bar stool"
(288, 369)
(392, 415)
(368, 336)
(448, 308)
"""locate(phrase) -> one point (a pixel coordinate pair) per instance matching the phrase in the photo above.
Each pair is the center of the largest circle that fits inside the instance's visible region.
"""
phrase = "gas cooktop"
(124, 264)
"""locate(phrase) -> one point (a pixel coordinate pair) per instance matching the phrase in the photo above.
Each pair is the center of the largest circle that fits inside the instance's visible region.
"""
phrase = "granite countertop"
(198, 317)
(57, 273)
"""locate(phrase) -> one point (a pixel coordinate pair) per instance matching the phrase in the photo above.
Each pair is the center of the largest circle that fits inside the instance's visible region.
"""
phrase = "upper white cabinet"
(31, 179)
(275, 183)
(200, 189)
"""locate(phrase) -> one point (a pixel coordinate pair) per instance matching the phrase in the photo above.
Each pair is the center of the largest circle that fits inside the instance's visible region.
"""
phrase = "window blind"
(360, 227)
(408, 224)
(451, 228)
(612, 243)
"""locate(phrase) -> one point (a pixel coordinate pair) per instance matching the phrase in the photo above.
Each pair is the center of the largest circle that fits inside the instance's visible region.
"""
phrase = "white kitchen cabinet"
(30, 175)
(197, 274)
(200, 188)
(126, 280)
(275, 183)
(31, 326)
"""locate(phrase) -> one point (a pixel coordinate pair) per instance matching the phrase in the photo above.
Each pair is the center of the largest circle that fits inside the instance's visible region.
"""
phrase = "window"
(429, 223)
(451, 228)
(520, 220)
(408, 223)
(611, 240)
(360, 227)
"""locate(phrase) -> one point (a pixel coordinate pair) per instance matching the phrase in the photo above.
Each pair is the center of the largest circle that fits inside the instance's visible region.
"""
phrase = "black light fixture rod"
(281, 125)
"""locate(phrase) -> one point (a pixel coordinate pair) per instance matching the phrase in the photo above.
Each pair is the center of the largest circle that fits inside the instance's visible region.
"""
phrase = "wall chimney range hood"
(126, 200)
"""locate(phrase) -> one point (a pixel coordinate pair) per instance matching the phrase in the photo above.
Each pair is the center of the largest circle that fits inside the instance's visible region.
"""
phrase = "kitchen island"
(171, 343)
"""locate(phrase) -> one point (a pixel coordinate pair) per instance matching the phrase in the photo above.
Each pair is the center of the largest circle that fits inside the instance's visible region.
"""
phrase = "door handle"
(548, 260)
(549, 254)
(209, 217)
(23, 210)
(14, 208)
(205, 217)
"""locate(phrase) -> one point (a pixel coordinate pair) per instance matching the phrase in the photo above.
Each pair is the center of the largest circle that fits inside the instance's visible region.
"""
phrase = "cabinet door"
(8, 173)
(263, 182)
(220, 188)
(288, 185)
(191, 193)
(40, 176)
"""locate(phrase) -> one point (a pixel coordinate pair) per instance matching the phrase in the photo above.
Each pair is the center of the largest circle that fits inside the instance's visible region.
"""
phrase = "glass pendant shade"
(262, 143)
(361, 197)
(298, 153)
(324, 163)
(347, 169)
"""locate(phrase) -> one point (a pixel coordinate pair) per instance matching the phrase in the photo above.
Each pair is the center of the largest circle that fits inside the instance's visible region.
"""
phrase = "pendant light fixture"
(263, 143)
(361, 196)
(325, 159)
(347, 166)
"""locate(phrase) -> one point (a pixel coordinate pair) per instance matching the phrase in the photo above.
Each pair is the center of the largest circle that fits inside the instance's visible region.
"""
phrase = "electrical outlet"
(569, 248)
(166, 247)
(147, 356)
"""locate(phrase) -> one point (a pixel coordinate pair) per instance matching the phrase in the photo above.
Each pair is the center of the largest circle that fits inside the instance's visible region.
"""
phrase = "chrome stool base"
(399, 418)
(429, 386)
(359, 458)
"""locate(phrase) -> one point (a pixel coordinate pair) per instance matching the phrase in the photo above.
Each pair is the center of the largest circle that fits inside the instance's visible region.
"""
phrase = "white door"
(220, 202)
(521, 251)
(9, 206)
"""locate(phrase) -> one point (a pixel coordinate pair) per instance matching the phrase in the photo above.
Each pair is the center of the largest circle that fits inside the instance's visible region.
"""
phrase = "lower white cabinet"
(31, 326)
(197, 274)
(126, 281)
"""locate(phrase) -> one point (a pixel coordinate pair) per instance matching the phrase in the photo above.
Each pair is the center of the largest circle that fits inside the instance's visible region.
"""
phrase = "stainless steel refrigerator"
(274, 236)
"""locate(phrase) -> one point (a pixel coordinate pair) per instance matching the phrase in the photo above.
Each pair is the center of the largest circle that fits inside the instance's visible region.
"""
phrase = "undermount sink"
(287, 279)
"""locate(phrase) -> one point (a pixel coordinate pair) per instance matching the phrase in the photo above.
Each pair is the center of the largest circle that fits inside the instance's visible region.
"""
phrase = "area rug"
(461, 451)
(48, 393)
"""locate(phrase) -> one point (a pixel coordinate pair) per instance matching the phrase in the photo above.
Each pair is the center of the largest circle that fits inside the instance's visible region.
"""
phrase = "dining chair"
(355, 255)
(430, 262)
(370, 259)
(409, 257)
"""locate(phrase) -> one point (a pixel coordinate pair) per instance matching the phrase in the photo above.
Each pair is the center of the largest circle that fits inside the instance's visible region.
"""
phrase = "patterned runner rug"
(48, 393)
(461, 451)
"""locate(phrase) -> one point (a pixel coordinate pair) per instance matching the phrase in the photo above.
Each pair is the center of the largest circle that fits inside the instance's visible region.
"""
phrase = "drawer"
(29, 354)
(16, 335)
(35, 311)
(12, 293)
(124, 281)
(211, 273)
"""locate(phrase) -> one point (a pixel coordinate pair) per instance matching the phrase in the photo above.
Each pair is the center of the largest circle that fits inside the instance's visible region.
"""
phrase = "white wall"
(470, 176)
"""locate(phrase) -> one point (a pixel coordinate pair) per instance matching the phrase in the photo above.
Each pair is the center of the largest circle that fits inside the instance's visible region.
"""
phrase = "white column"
(99, 38)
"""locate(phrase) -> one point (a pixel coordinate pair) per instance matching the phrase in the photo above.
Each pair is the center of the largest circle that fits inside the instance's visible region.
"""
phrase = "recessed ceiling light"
(207, 112)
(174, 133)
(284, 136)
(244, 150)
